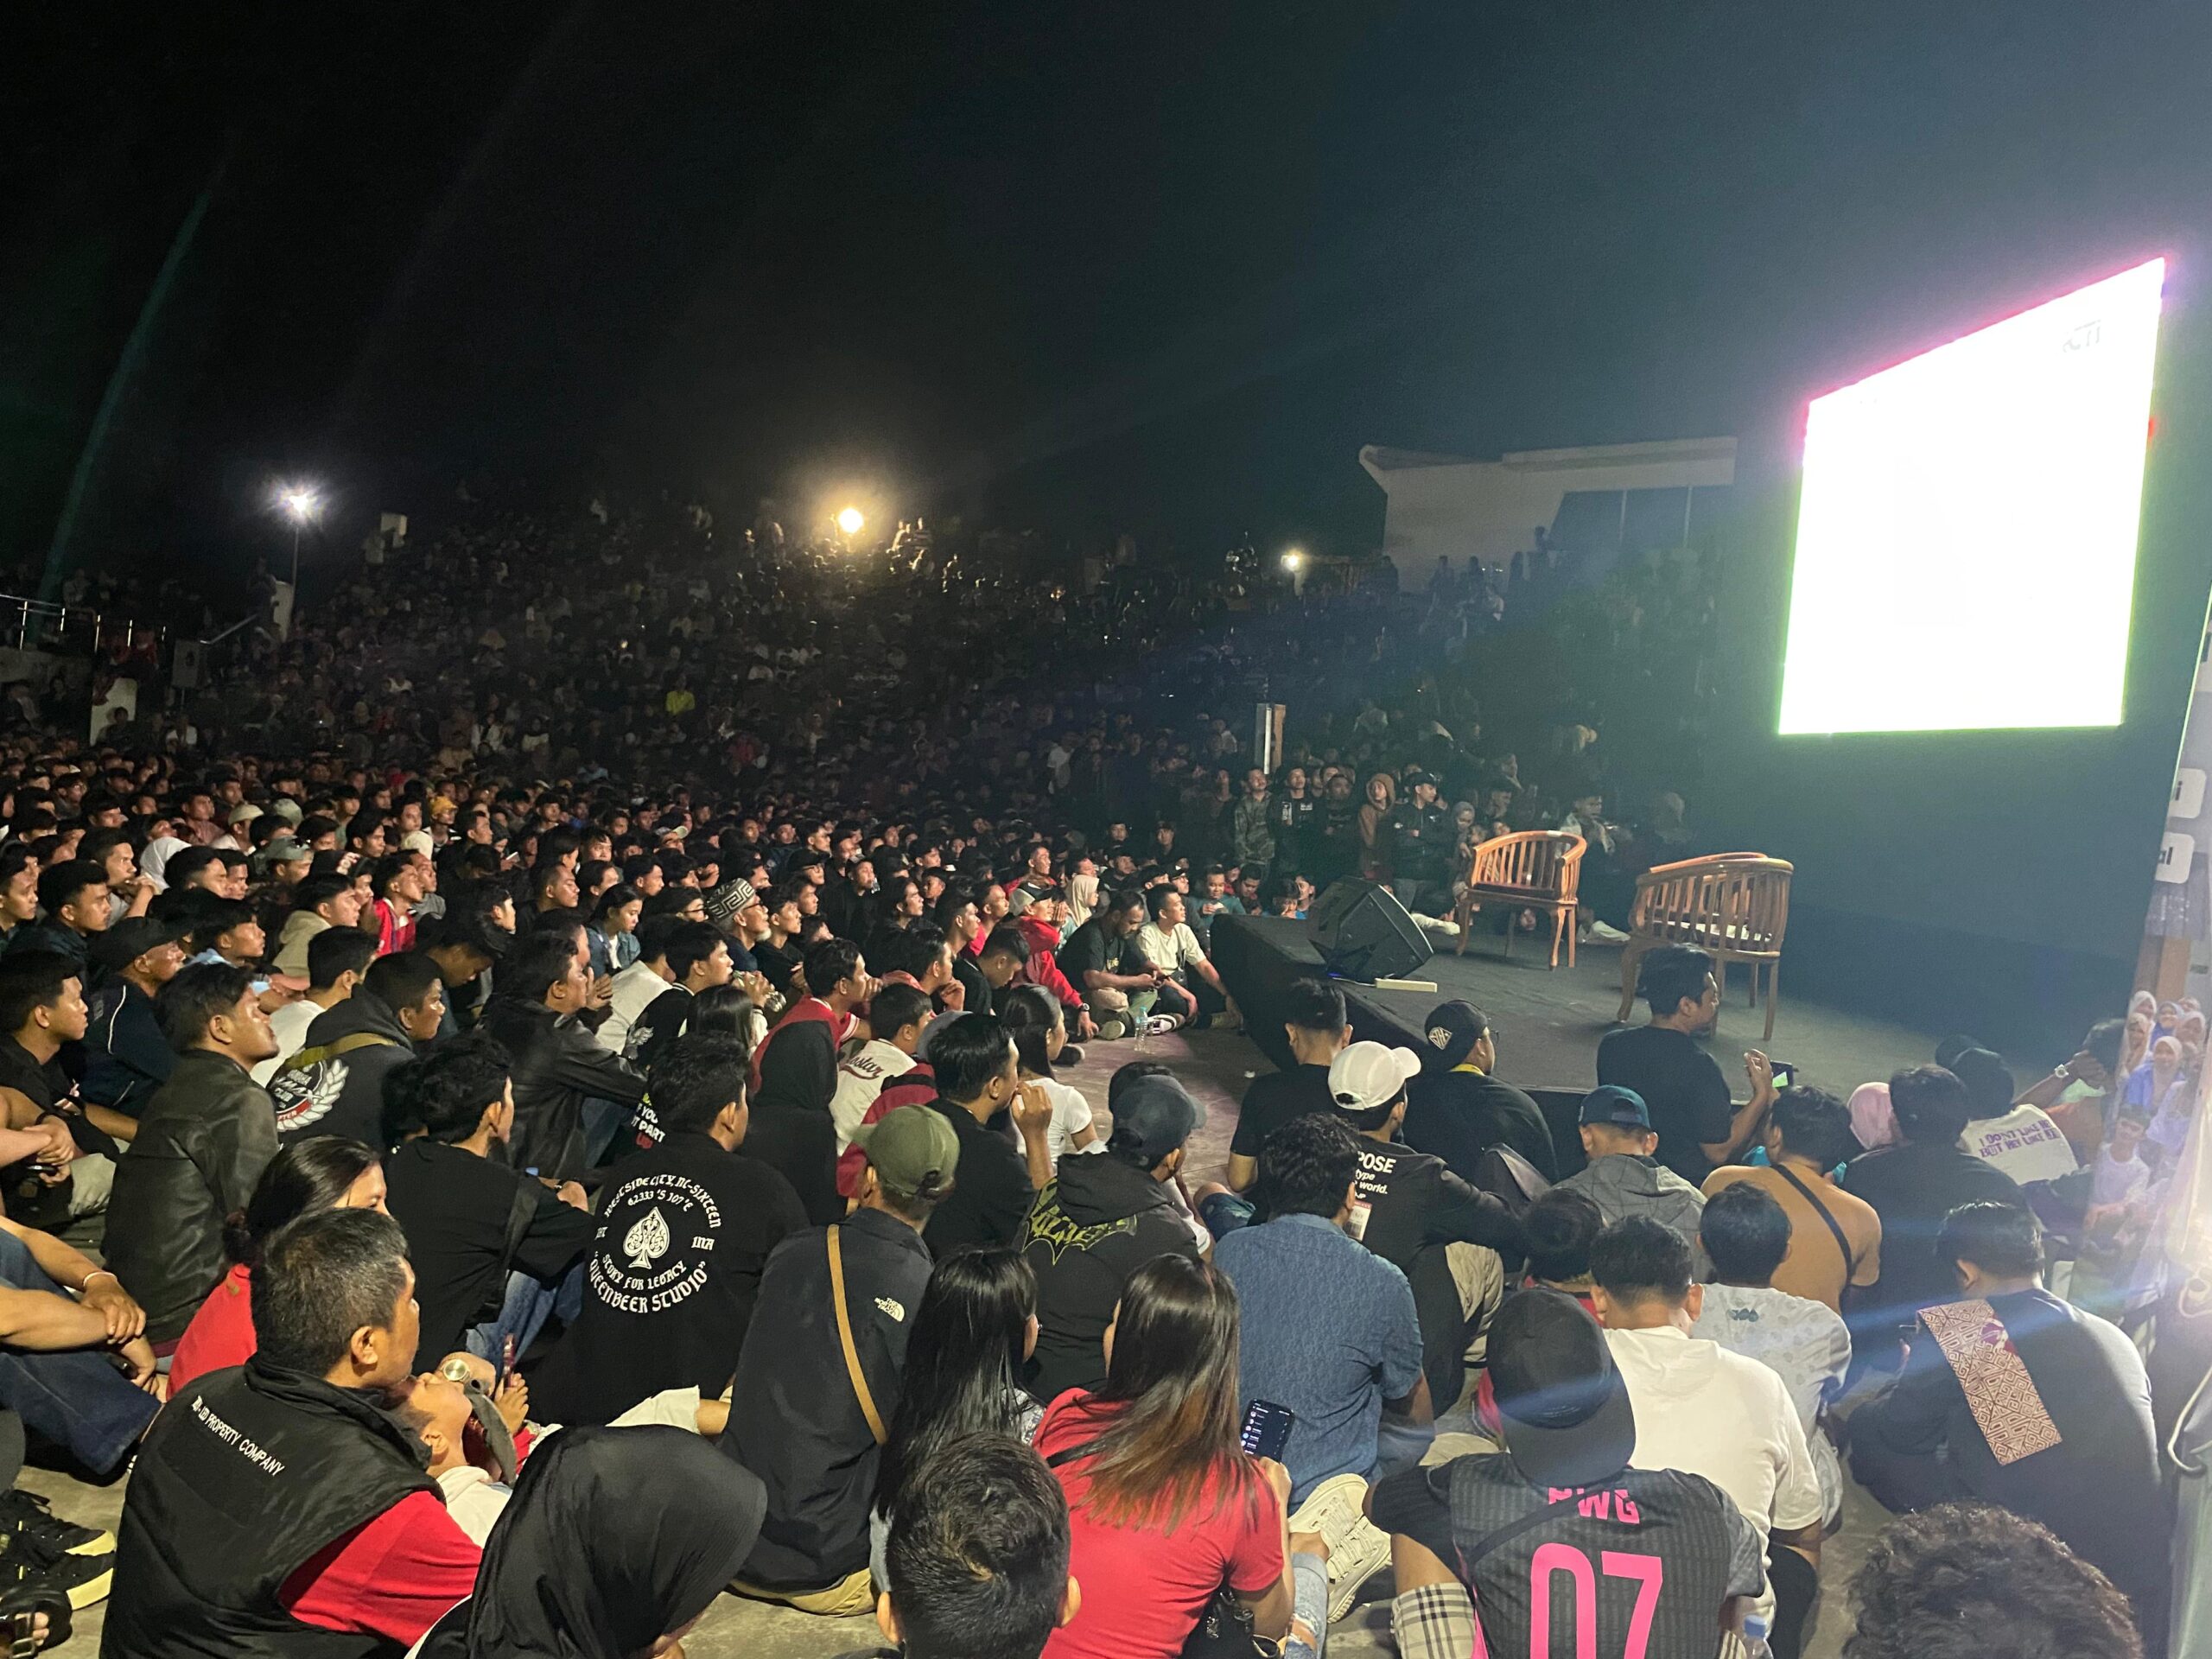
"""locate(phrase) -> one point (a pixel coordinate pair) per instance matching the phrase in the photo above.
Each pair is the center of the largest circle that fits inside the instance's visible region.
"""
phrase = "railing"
(72, 630)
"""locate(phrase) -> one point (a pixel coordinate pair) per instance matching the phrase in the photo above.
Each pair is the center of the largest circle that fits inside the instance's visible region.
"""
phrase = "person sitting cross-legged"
(1659, 1560)
(2014, 1397)
(366, 1553)
(1746, 1235)
(1625, 1177)
(1704, 1410)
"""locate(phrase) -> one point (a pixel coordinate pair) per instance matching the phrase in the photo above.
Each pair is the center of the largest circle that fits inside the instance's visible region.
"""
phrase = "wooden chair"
(1529, 869)
(1734, 905)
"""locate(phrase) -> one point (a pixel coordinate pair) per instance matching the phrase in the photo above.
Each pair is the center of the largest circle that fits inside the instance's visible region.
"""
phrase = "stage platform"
(1548, 1023)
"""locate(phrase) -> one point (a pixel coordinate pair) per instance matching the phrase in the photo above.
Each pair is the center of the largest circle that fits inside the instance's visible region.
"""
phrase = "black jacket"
(989, 1202)
(126, 1057)
(203, 1141)
(1460, 1115)
(558, 1065)
(1422, 841)
(254, 1471)
(1416, 1208)
(1097, 1221)
(333, 1083)
(685, 1231)
(794, 1420)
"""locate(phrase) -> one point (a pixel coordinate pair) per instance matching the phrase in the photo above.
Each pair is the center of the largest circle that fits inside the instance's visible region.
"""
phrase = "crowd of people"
(535, 1101)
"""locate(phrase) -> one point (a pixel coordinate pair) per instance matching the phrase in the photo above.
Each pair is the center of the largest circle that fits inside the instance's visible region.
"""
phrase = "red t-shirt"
(394, 1575)
(221, 1334)
(1144, 1586)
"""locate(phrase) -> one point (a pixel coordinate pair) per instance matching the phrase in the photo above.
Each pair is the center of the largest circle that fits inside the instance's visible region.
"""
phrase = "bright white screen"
(1966, 540)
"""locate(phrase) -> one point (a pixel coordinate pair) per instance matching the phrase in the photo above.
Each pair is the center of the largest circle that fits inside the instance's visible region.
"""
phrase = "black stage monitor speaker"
(1363, 932)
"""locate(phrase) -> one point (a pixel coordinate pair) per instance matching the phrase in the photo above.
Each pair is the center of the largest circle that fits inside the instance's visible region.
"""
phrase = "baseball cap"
(1454, 1029)
(1154, 1116)
(415, 841)
(1562, 1402)
(285, 849)
(1614, 1104)
(1991, 1087)
(1367, 1075)
(286, 807)
(245, 814)
(912, 1148)
(131, 938)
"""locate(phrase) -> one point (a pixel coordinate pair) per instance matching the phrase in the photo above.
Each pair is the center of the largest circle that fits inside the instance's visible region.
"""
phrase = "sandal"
(19, 1611)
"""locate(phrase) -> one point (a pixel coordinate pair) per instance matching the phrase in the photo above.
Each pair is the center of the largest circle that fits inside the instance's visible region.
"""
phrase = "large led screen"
(1965, 535)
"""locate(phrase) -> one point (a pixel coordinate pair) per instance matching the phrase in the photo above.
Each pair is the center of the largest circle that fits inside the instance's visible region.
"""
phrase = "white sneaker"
(1160, 1024)
(1357, 1549)
(1601, 934)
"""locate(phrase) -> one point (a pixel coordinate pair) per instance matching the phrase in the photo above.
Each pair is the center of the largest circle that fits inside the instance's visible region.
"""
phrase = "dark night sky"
(1087, 267)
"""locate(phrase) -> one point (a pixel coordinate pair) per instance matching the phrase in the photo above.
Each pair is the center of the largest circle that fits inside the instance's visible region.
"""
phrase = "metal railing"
(71, 630)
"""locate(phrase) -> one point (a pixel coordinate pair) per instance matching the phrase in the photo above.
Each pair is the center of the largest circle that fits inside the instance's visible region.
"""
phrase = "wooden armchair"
(1529, 869)
(1734, 905)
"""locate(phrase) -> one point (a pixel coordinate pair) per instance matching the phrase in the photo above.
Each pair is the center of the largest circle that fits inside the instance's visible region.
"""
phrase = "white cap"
(1367, 1075)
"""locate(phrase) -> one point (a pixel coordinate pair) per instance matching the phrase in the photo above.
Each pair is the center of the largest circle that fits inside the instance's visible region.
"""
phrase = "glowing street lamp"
(851, 521)
(1293, 560)
(302, 505)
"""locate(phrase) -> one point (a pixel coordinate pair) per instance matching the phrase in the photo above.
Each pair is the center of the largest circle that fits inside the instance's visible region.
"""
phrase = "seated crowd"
(491, 1217)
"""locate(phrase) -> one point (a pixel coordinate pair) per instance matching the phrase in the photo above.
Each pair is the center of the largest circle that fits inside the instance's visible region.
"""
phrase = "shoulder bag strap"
(845, 1339)
(1506, 1535)
(1842, 1244)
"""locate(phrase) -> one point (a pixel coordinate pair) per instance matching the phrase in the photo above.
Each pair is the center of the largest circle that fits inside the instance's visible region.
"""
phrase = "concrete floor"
(1216, 1067)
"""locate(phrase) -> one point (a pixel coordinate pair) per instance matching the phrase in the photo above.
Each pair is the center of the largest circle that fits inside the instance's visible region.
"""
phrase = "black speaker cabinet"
(1363, 932)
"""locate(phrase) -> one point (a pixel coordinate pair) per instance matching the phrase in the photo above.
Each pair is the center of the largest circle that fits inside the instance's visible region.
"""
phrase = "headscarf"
(615, 1538)
(1872, 1119)
(154, 861)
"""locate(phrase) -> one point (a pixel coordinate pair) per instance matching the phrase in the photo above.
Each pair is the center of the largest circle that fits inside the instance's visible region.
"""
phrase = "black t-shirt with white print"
(1652, 1555)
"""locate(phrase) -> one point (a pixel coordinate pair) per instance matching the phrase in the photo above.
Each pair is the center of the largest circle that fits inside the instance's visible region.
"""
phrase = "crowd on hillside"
(553, 1072)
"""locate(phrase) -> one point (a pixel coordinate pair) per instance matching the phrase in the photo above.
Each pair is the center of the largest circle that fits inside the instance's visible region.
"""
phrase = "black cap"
(1991, 1087)
(1563, 1405)
(131, 938)
(1154, 1116)
(1454, 1029)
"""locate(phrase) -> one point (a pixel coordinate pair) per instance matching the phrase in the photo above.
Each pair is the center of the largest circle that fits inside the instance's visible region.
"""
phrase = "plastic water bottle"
(1753, 1639)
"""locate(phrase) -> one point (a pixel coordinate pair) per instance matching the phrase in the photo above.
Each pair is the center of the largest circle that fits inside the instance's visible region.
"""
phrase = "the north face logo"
(304, 1095)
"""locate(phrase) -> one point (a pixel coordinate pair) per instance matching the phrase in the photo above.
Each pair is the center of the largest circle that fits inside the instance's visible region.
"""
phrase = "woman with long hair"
(1034, 1018)
(728, 1011)
(615, 919)
(1165, 1507)
(974, 1331)
(325, 1172)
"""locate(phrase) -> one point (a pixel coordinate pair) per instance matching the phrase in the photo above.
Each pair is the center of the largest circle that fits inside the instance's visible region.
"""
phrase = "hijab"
(1873, 1118)
(615, 1538)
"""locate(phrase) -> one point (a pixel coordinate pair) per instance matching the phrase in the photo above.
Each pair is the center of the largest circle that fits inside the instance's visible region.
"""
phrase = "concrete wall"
(1451, 506)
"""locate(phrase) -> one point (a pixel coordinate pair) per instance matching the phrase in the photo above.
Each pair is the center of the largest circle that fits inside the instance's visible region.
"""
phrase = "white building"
(1620, 498)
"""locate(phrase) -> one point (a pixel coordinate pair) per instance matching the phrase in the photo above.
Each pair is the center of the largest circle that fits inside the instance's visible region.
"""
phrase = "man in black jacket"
(797, 1417)
(202, 1143)
(1446, 1238)
(541, 987)
(977, 1077)
(333, 1083)
(1096, 1222)
(126, 1057)
(494, 1248)
(1457, 1109)
(1422, 842)
(675, 1267)
(277, 1509)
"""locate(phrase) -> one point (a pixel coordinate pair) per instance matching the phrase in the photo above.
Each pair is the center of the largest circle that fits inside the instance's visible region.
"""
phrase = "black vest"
(240, 1481)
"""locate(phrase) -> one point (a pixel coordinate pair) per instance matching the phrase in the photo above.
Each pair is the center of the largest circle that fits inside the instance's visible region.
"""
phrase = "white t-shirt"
(859, 1080)
(635, 987)
(1070, 1115)
(475, 1500)
(291, 1024)
(1167, 950)
(1806, 1344)
(1709, 1412)
(2024, 1143)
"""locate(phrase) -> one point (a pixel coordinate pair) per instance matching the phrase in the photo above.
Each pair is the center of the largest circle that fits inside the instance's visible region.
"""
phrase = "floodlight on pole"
(1293, 560)
(851, 521)
(302, 505)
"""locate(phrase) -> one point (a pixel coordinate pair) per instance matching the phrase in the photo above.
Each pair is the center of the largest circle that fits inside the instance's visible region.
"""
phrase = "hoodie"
(334, 1083)
(1096, 1222)
(1622, 1184)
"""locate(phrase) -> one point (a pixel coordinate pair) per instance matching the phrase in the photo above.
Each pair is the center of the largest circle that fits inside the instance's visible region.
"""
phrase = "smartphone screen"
(1266, 1429)
(1784, 1074)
